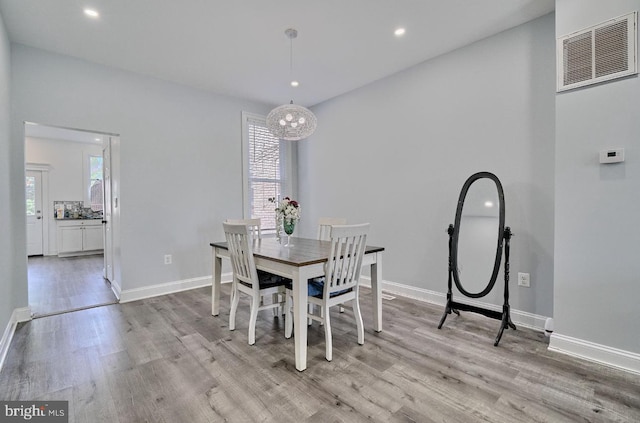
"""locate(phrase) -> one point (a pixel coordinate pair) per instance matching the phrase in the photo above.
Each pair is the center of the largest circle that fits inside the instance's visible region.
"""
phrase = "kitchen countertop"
(66, 219)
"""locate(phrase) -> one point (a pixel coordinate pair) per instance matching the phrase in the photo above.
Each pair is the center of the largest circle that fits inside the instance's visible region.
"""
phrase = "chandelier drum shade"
(291, 122)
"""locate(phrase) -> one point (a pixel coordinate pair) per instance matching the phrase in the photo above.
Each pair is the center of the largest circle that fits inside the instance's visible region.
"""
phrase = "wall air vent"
(600, 53)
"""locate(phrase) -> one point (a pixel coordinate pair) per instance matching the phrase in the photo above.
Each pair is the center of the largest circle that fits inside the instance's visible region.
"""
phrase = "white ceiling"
(238, 47)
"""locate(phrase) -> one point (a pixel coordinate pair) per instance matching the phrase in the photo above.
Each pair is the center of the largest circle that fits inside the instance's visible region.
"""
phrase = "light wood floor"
(167, 359)
(62, 284)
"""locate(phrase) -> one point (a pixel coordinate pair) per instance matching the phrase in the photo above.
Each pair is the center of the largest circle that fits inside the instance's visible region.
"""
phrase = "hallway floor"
(58, 285)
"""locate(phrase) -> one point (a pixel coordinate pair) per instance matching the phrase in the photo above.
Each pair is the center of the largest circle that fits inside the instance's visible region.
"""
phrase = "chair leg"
(288, 318)
(255, 303)
(235, 298)
(310, 309)
(283, 304)
(359, 323)
(327, 334)
(275, 299)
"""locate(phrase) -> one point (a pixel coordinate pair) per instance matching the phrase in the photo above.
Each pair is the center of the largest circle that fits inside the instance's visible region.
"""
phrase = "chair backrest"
(241, 253)
(342, 270)
(253, 224)
(324, 226)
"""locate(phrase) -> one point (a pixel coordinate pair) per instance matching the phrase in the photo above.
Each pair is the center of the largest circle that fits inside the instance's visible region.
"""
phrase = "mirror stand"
(455, 307)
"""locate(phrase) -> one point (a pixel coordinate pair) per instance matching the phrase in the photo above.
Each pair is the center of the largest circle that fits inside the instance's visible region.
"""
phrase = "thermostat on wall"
(615, 155)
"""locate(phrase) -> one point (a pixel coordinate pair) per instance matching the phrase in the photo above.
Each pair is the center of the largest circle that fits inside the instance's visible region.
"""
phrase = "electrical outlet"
(167, 259)
(523, 279)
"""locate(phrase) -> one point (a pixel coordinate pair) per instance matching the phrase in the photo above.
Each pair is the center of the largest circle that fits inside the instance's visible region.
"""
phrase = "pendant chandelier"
(291, 122)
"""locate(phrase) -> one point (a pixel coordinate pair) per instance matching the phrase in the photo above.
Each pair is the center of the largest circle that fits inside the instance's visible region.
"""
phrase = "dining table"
(299, 262)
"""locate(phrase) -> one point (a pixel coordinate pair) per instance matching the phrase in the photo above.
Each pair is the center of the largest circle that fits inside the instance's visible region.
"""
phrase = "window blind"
(265, 172)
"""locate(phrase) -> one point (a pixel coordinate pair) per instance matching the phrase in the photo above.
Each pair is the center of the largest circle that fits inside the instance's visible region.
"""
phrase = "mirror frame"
(456, 232)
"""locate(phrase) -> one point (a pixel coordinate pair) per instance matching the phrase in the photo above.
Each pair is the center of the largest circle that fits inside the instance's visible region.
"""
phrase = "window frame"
(288, 166)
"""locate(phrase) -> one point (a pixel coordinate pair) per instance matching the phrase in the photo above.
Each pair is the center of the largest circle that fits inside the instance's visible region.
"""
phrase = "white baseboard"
(135, 294)
(519, 318)
(19, 315)
(598, 353)
(413, 292)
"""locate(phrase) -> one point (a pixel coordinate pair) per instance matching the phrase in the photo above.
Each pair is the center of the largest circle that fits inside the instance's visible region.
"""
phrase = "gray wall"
(597, 267)
(180, 157)
(11, 267)
(396, 153)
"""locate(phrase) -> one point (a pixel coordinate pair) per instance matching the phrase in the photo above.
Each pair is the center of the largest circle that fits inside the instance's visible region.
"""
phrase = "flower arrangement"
(287, 212)
(288, 209)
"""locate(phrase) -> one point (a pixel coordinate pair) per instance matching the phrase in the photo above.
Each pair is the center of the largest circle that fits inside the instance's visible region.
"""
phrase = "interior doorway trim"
(89, 131)
(42, 167)
(89, 136)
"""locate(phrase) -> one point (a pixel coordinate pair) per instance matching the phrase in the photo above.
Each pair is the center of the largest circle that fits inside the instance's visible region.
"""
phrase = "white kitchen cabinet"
(92, 238)
(70, 239)
(79, 237)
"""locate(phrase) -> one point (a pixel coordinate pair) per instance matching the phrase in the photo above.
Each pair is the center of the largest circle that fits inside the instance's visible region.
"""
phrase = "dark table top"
(304, 252)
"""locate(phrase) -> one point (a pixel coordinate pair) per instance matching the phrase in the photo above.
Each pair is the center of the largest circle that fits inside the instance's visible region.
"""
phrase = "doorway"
(35, 228)
(69, 229)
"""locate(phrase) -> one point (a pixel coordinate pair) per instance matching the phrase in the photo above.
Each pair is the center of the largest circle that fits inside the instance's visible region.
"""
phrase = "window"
(96, 197)
(267, 170)
(31, 195)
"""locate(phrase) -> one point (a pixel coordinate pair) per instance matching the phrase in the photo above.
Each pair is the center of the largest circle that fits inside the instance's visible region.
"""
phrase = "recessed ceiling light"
(91, 13)
(97, 139)
(399, 32)
(294, 83)
(488, 203)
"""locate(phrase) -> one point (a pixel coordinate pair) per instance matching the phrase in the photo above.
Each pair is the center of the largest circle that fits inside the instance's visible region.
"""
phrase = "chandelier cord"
(291, 57)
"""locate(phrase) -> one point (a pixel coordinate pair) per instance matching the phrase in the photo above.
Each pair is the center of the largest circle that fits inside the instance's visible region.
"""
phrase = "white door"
(34, 212)
(106, 214)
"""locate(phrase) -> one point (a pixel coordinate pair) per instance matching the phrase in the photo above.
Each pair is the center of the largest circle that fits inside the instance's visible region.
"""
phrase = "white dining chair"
(254, 225)
(324, 226)
(255, 229)
(247, 280)
(324, 234)
(341, 282)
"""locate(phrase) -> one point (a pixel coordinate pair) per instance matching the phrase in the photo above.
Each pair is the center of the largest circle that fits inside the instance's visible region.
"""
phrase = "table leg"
(300, 318)
(216, 276)
(376, 289)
